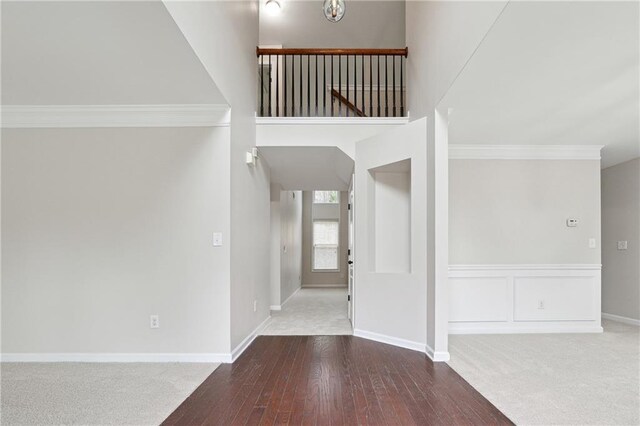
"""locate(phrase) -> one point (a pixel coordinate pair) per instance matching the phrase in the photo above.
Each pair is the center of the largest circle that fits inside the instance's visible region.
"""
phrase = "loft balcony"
(327, 83)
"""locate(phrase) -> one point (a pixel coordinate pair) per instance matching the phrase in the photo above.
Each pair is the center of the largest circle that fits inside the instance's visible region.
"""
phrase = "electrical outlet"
(540, 304)
(622, 245)
(154, 321)
(255, 306)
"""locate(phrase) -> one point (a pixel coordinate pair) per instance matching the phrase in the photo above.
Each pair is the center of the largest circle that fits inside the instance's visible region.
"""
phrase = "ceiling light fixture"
(272, 7)
(333, 9)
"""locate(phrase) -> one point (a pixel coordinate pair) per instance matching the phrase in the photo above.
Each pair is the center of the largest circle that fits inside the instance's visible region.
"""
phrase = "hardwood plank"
(327, 380)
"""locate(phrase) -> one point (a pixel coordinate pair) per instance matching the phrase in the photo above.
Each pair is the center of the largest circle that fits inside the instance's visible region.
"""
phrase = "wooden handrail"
(348, 104)
(337, 52)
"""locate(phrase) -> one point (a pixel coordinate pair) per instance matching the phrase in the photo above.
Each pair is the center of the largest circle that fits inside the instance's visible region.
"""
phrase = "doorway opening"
(312, 246)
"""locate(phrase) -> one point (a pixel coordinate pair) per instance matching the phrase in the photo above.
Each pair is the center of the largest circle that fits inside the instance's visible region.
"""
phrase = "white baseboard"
(437, 356)
(618, 318)
(395, 341)
(325, 286)
(538, 328)
(116, 357)
(235, 354)
(275, 307)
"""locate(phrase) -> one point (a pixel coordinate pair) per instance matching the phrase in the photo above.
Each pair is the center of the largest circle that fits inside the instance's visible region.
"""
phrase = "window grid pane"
(325, 258)
(326, 236)
(326, 197)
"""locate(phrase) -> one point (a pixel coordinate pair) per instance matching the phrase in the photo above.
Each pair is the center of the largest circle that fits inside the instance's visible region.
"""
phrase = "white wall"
(224, 36)
(291, 243)
(104, 227)
(74, 53)
(366, 24)
(308, 134)
(391, 307)
(515, 211)
(515, 265)
(286, 244)
(339, 212)
(621, 222)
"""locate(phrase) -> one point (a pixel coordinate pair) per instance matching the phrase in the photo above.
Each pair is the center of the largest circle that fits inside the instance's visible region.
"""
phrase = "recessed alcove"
(389, 208)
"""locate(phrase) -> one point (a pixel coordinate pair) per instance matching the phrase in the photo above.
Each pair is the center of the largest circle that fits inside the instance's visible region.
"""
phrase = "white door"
(391, 234)
(351, 253)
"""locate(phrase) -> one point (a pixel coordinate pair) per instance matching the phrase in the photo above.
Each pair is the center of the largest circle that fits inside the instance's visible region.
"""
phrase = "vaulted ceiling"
(554, 73)
(97, 53)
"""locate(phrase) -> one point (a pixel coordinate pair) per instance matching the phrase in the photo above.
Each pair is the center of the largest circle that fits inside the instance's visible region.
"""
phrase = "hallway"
(312, 311)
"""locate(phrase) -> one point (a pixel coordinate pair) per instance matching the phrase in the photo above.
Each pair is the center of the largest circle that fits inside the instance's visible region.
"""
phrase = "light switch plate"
(217, 239)
(622, 245)
(592, 243)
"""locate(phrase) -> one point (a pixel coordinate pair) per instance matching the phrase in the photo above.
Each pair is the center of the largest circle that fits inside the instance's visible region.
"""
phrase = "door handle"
(350, 262)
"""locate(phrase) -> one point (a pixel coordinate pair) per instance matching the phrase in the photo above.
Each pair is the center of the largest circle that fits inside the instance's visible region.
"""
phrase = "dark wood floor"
(333, 380)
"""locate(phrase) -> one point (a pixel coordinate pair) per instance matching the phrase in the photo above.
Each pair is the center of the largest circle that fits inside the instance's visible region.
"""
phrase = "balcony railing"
(331, 82)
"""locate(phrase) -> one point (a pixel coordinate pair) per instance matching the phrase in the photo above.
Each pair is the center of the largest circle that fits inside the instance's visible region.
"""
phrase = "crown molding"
(524, 152)
(85, 116)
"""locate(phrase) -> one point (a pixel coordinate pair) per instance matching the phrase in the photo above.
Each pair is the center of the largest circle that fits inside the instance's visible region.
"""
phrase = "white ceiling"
(308, 168)
(99, 53)
(555, 73)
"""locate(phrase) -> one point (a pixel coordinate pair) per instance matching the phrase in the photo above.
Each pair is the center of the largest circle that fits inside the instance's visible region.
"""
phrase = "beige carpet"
(556, 379)
(312, 311)
(96, 394)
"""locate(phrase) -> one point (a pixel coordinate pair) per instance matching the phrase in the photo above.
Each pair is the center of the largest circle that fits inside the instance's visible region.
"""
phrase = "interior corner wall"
(228, 30)
(276, 252)
(102, 228)
(621, 222)
(290, 244)
(324, 279)
(442, 37)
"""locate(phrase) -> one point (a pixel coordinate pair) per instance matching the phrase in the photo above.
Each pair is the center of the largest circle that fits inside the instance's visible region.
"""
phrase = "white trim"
(618, 318)
(235, 354)
(438, 356)
(116, 357)
(382, 121)
(395, 341)
(534, 328)
(85, 116)
(528, 267)
(484, 298)
(279, 307)
(289, 298)
(524, 152)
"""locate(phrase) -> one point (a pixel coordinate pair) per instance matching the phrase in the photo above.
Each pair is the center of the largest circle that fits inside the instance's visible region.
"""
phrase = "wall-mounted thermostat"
(572, 223)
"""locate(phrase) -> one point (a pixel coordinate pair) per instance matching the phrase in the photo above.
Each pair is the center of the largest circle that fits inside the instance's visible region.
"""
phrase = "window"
(326, 234)
(326, 197)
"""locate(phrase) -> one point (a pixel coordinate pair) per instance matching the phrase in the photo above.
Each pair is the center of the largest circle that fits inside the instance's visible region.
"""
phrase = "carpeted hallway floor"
(551, 379)
(312, 312)
(96, 394)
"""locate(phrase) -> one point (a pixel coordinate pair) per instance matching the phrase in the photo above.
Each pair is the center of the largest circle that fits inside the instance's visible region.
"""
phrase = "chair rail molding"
(526, 298)
(87, 116)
